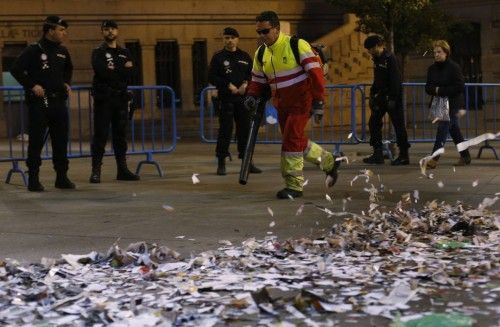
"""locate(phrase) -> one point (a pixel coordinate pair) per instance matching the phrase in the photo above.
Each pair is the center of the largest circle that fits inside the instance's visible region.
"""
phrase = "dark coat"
(448, 77)
(229, 67)
(45, 63)
(386, 77)
(110, 72)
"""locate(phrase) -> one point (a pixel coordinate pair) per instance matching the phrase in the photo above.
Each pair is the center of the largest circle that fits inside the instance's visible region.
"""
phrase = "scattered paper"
(476, 140)
(168, 208)
(423, 162)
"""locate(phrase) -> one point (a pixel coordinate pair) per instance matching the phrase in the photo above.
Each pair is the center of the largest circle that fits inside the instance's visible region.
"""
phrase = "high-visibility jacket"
(292, 85)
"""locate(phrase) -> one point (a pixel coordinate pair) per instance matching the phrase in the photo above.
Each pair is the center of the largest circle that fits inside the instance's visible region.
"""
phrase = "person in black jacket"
(230, 70)
(386, 97)
(445, 79)
(45, 69)
(113, 68)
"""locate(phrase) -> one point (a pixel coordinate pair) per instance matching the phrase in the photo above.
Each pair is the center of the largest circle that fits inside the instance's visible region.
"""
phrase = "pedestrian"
(385, 97)
(113, 68)
(445, 79)
(297, 92)
(230, 71)
(45, 69)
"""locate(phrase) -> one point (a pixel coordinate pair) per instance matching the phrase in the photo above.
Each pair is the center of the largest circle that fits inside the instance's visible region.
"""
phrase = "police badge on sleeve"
(109, 60)
(227, 67)
(45, 61)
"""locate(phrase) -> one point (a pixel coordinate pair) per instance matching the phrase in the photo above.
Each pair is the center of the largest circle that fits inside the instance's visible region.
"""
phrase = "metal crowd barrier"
(340, 119)
(152, 130)
(481, 112)
(347, 113)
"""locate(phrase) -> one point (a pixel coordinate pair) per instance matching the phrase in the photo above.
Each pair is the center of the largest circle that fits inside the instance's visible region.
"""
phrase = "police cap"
(372, 41)
(230, 31)
(109, 24)
(55, 20)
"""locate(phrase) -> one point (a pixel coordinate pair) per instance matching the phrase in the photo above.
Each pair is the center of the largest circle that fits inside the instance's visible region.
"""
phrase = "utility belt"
(49, 96)
(56, 94)
(103, 93)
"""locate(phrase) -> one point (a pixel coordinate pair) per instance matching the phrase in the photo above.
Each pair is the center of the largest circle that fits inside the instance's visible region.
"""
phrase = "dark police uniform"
(231, 67)
(386, 97)
(48, 64)
(109, 89)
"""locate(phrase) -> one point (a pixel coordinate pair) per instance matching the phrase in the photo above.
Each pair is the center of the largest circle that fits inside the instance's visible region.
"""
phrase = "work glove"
(317, 107)
(251, 103)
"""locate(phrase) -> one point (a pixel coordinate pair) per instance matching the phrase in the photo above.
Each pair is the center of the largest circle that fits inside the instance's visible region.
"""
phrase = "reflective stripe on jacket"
(292, 85)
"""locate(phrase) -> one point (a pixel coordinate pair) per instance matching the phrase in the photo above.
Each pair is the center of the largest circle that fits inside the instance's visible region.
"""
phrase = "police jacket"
(386, 77)
(292, 85)
(448, 77)
(110, 73)
(229, 67)
(45, 63)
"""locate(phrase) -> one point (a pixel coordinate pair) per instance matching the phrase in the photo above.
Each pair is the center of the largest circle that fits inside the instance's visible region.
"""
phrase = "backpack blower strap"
(294, 44)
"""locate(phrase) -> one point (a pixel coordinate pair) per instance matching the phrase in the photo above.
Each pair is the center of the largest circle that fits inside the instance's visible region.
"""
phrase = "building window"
(10, 52)
(200, 67)
(466, 51)
(136, 53)
(168, 69)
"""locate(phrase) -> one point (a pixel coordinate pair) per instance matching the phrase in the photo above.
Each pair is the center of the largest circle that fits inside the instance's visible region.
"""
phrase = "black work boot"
(288, 193)
(63, 182)
(221, 166)
(95, 175)
(34, 184)
(332, 174)
(403, 158)
(123, 173)
(376, 158)
(253, 169)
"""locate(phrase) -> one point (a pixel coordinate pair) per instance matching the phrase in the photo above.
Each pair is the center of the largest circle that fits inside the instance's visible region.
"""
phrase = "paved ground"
(92, 217)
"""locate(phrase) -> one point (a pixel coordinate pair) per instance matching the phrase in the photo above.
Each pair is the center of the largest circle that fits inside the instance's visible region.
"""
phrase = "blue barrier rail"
(346, 112)
(153, 129)
(480, 117)
(338, 122)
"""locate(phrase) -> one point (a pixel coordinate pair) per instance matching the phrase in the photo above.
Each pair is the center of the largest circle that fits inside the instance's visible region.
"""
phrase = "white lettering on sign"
(14, 33)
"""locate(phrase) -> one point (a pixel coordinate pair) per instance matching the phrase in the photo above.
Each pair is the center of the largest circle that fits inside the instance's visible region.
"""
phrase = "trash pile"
(370, 264)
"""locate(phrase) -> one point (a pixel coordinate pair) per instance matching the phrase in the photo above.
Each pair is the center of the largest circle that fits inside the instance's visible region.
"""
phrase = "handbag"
(439, 109)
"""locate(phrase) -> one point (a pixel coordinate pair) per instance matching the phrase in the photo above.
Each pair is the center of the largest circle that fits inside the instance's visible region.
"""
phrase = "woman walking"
(445, 79)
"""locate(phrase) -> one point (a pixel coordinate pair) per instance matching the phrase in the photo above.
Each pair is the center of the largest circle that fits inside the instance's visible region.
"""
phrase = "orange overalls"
(293, 88)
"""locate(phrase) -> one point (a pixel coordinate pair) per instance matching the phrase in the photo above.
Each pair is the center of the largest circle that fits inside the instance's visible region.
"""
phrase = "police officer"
(385, 97)
(44, 69)
(230, 71)
(113, 68)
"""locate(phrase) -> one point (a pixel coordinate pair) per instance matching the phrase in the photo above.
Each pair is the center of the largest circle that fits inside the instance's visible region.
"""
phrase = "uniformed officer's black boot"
(221, 166)
(63, 182)
(95, 176)
(123, 173)
(34, 182)
(376, 158)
